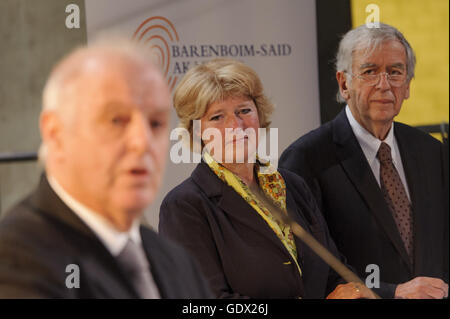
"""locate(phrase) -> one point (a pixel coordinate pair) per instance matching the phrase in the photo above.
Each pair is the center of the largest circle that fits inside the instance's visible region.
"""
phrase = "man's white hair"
(370, 39)
(69, 68)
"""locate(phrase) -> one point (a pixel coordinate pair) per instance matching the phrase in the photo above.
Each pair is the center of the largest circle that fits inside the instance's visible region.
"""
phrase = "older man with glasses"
(380, 184)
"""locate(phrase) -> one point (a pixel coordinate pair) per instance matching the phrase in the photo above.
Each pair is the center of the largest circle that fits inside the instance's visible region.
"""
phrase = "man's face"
(114, 149)
(380, 103)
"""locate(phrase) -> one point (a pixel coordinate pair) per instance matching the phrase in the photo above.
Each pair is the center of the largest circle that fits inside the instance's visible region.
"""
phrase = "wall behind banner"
(33, 37)
(426, 26)
(276, 38)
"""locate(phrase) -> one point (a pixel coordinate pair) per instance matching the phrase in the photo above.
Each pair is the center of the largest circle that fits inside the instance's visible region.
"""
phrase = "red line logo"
(158, 32)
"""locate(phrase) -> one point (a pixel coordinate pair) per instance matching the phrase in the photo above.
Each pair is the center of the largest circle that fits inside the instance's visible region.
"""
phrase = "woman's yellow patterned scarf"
(274, 188)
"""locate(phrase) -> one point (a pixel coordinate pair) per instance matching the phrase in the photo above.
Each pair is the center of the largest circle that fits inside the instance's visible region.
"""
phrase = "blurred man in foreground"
(104, 127)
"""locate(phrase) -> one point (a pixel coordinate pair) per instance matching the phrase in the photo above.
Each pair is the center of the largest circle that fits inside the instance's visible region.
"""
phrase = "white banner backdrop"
(276, 38)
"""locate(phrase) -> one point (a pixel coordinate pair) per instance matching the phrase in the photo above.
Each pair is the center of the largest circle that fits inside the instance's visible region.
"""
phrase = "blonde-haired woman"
(215, 214)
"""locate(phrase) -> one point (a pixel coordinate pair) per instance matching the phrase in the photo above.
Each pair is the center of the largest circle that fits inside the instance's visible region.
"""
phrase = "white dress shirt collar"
(369, 143)
(113, 239)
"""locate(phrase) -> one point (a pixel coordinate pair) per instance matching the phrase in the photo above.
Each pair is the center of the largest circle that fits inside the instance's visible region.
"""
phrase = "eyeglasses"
(395, 80)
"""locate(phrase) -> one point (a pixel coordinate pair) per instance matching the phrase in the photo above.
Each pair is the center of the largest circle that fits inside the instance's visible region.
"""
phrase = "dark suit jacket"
(41, 236)
(333, 164)
(238, 252)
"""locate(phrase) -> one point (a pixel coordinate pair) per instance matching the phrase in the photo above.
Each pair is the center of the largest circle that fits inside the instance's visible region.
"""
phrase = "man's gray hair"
(370, 39)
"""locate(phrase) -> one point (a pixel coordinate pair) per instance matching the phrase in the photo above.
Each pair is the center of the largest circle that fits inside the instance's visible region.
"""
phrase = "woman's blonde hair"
(218, 80)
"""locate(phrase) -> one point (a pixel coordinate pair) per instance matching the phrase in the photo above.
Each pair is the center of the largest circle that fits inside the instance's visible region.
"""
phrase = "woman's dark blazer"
(238, 252)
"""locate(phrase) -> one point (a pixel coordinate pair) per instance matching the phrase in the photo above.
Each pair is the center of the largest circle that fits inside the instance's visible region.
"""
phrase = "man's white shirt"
(370, 145)
(112, 239)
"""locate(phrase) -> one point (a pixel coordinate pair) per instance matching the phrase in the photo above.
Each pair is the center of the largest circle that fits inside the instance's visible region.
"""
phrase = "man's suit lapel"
(356, 167)
(415, 177)
(102, 270)
(50, 205)
(105, 279)
(233, 204)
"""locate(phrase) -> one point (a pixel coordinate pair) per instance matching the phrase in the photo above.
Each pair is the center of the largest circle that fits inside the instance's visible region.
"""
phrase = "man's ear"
(50, 126)
(407, 90)
(343, 84)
